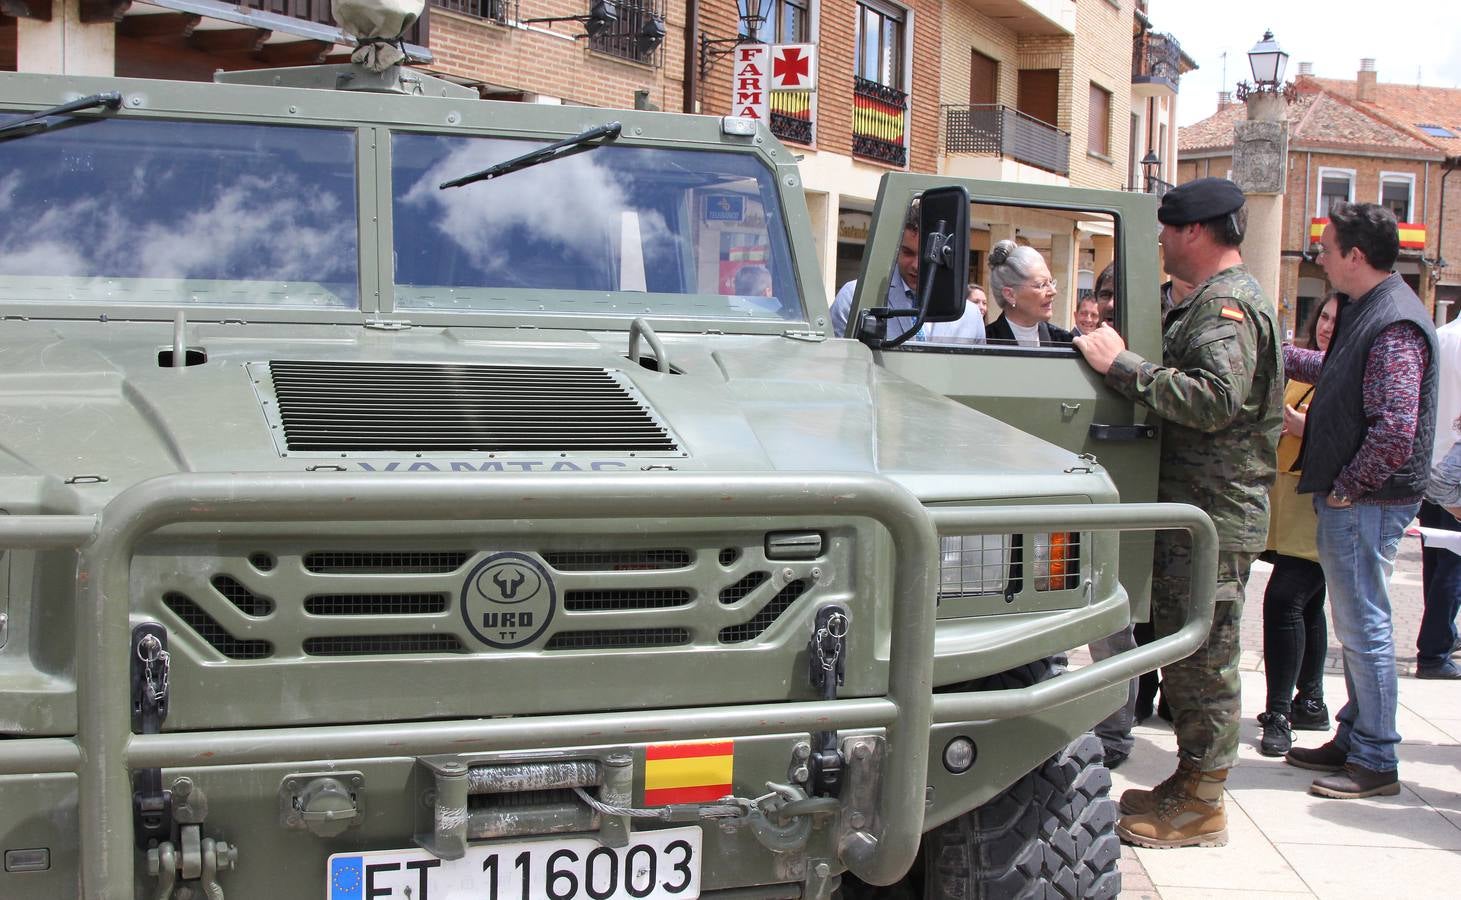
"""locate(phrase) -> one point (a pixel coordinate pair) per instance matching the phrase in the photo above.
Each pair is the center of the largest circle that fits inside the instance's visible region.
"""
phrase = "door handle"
(1101, 432)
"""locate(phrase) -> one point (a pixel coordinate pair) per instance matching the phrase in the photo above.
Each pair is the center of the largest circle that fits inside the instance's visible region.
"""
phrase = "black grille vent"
(410, 407)
(247, 601)
(633, 638)
(375, 604)
(373, 644)
(736, 634)
(644, 598)
(738, 591)
(617, 560)
(384, 563)
(216, 635)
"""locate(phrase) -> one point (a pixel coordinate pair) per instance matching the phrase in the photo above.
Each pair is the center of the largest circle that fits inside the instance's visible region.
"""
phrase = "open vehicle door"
(1046, 391)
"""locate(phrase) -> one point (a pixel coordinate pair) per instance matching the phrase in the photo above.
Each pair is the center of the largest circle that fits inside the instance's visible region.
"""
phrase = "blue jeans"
(1357, 550)
(1441, 574)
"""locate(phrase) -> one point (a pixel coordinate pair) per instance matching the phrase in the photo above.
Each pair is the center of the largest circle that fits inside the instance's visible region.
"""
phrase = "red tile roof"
(1331, 119)
(1409, 105)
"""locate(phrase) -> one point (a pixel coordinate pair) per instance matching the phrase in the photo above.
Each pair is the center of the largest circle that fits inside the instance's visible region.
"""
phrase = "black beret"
(1198, 201)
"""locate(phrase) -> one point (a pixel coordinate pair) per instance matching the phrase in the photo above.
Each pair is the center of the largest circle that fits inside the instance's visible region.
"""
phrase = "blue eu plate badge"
(347, 878)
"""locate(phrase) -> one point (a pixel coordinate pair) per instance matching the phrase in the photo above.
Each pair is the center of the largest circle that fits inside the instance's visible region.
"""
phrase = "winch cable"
(727, 808)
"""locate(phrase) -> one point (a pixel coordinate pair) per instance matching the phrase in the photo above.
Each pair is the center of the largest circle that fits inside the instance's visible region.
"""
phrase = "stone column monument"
(1260, 168)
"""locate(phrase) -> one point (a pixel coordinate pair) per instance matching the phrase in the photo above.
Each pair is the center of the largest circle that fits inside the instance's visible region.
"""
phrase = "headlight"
(975, 564)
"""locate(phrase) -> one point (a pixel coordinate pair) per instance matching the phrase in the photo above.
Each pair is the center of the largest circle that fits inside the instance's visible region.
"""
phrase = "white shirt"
(969, 329)
(1448, 389)
(1025, 336)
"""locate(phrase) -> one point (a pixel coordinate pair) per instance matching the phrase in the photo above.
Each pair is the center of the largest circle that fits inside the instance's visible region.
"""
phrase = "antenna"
(1225, 68)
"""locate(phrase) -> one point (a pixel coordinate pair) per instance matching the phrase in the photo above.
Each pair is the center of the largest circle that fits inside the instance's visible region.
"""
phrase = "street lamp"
(1149, 165)
(752, 17)
(1267, 61)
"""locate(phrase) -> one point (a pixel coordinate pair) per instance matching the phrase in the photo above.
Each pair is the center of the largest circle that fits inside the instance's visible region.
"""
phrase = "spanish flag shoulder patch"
(696, 772)
(1234, 313)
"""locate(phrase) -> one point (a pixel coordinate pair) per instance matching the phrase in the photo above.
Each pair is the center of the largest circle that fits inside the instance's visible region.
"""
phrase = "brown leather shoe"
(1191, 816)
(1324, 758)
(1136, 802)
(1355, 782)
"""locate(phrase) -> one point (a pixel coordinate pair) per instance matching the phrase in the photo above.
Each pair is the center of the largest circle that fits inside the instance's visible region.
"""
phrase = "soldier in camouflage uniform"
(1220, 389)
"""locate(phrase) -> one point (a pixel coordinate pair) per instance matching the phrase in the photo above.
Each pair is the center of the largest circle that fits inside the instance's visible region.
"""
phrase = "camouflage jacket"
(1220, 389)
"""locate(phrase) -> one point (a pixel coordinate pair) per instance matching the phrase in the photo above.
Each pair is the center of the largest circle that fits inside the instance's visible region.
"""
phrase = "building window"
(1335, 186)
(1098, 137)
(626, 38)
(786, 21)
(496, 10)
(880, 36)
(1397, 192)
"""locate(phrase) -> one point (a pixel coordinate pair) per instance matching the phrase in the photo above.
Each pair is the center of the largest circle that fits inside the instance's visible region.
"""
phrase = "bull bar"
(105, 751)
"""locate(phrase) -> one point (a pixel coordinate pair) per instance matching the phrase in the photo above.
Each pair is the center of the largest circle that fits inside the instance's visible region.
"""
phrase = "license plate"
(656, 865)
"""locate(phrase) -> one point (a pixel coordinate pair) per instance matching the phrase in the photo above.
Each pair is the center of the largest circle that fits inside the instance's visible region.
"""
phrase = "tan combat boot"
(1192, 815)
(1136, 802)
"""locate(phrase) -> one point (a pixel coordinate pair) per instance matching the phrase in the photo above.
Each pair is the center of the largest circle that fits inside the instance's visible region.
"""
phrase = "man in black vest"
(1365, 458)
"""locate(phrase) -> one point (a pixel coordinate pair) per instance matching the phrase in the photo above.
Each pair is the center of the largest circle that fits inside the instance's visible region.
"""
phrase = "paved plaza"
(1287, 843)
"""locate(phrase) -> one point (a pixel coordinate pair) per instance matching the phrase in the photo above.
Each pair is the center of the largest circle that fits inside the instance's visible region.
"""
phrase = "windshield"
(613, 230)
(157, 212)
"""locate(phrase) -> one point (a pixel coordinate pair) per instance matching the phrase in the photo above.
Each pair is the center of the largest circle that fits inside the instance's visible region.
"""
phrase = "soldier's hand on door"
(1100, 348)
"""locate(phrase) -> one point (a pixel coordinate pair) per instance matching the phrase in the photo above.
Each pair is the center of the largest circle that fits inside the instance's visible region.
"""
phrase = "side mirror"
(944, 268)
(943, 272)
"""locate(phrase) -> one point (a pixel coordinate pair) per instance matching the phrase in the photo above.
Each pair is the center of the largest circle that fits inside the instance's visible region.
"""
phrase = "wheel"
(1052, 834)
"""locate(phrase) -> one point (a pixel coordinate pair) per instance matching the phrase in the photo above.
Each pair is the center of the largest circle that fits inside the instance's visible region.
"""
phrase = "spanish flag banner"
(1316, 229)
(687, 773)
(1412, 236)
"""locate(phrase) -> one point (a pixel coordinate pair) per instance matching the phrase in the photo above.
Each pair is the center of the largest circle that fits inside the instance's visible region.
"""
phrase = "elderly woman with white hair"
(1021, 284)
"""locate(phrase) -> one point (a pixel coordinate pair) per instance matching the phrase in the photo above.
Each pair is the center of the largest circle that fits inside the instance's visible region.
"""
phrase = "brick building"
(1056, 93)
(1359, 141)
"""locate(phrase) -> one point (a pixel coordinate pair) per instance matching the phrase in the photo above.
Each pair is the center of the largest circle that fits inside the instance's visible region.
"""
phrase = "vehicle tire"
(1052, 834)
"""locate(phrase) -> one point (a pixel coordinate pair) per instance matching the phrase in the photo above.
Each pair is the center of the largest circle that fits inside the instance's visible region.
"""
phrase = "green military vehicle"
(369, 536)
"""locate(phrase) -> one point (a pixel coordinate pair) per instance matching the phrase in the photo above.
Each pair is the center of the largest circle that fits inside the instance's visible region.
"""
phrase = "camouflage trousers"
(1202, 690)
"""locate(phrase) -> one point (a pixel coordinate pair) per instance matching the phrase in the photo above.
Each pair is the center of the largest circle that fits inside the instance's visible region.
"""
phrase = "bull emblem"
(508, 581)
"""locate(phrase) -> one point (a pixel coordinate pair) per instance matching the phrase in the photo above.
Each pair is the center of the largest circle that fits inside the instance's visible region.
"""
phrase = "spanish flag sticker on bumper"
(687, 773)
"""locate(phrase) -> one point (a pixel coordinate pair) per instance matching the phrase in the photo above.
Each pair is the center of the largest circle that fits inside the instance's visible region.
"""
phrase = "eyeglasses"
(1047, 284)
(1105, 295)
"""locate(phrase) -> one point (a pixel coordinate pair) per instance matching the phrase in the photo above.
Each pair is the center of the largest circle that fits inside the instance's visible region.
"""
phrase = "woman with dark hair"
(1025, 292)
(1295, 638)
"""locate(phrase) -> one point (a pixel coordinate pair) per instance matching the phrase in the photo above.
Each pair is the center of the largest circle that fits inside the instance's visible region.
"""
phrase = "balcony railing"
(501, 11)
(1151, 184)
(994, 130)
(791, 116)
(879, 117)
(1156, 59)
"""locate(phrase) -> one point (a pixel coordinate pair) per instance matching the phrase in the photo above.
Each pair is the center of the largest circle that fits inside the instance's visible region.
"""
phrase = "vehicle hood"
(88, 409)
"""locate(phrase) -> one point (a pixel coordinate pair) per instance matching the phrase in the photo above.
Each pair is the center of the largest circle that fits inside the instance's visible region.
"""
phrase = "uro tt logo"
(508, 600)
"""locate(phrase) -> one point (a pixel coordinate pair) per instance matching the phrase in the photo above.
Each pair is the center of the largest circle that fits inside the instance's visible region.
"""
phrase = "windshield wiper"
(594, 137)
(35, 122)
